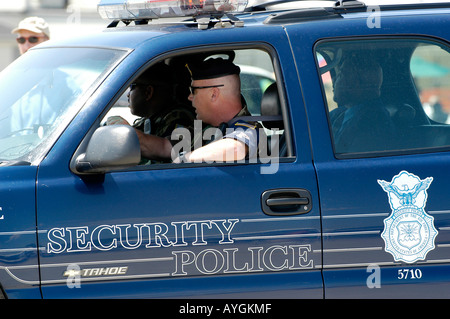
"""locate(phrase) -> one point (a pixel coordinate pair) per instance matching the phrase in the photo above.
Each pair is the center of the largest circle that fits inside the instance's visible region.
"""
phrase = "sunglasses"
(193, 88)
(31, 39)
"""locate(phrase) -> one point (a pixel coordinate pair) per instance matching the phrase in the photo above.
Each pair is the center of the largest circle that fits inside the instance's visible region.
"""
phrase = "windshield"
(41, 92)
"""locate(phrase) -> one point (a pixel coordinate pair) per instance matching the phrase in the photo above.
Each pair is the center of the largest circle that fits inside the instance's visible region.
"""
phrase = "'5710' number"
(409, 274)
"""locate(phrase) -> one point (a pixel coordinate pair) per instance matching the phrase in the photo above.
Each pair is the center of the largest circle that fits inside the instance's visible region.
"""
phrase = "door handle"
(272, 202)
(286, 202)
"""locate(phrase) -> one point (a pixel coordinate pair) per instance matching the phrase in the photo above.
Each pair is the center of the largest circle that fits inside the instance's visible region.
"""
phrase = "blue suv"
(348, 196)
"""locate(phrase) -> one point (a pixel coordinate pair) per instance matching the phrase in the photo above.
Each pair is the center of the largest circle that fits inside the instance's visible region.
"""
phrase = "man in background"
(39, 107)
(30, 32)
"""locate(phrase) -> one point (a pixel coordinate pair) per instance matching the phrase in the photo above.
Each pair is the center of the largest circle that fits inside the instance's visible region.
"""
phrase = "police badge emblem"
(409, 232)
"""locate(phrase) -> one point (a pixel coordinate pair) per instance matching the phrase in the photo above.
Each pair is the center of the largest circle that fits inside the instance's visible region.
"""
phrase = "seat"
(410, 126)
(402, 115)
(271, 108)
(271, 119)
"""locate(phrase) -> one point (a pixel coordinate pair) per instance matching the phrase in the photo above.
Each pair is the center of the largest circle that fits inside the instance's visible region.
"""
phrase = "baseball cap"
(33, 24)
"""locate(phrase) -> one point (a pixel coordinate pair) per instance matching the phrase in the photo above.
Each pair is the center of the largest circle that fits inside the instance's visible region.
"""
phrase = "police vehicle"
(320, 213)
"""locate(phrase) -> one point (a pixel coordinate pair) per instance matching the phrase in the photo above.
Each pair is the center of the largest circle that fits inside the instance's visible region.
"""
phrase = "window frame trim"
(262, 46)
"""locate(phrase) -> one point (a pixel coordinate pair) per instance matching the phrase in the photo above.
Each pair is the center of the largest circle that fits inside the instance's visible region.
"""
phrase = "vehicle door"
(383, 170)
(19, 272)
(247, 229)
(29, 127)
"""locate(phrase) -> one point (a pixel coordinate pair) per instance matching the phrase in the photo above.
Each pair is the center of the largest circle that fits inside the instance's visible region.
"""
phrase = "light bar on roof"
(153, 9)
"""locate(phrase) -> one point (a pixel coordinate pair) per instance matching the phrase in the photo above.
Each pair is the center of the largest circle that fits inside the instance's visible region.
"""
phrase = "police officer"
(152, 98)
(216, 97)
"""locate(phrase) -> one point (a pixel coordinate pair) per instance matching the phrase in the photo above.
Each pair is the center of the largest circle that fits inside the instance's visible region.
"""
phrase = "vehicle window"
(53, 85)
(386, 95)
(176, 114)
(430, 68)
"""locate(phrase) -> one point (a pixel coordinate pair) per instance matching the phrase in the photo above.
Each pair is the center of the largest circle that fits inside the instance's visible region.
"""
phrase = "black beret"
(157, 74)
(213, 68)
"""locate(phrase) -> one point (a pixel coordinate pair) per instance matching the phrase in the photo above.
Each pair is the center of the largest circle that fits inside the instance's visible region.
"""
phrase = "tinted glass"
(386, 95)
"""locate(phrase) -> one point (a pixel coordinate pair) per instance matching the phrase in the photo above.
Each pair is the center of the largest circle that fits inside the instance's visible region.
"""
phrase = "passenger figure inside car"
(151, 98)
(361, 122)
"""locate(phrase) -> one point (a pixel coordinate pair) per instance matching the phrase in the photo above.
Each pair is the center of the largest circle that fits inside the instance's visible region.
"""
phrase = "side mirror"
(110, 147)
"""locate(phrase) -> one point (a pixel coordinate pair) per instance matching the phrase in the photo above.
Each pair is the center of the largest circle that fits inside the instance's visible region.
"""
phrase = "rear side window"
(430, 68)
(386, 96)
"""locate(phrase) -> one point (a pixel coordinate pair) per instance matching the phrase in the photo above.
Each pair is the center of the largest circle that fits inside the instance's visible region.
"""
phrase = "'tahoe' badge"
(409, 232)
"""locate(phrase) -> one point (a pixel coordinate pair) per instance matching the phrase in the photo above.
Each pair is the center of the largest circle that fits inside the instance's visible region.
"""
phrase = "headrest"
(271, 108)
(270, 103)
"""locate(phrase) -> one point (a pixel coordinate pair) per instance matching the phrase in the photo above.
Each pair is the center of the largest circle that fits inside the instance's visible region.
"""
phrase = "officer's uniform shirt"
(163, 123)
(245, 132)
(237, 129)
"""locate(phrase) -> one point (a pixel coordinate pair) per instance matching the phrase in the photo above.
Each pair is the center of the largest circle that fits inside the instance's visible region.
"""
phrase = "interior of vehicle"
(258, 89)
(414, 92)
